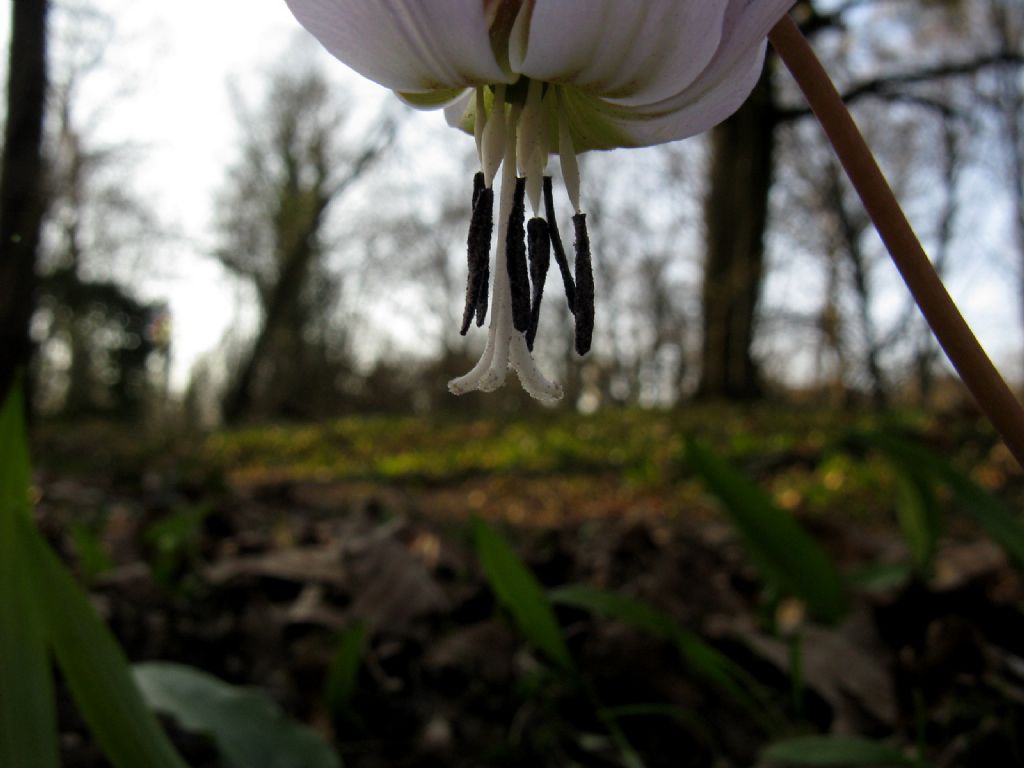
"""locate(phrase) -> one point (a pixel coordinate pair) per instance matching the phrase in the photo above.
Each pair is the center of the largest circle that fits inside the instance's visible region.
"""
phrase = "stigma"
(515, 127)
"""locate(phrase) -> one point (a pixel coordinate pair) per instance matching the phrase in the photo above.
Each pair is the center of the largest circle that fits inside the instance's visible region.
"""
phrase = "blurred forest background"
(734, 266)
(765, 508)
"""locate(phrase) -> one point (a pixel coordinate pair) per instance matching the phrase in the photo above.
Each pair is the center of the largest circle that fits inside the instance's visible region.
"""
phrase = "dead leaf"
(392, 588)
(299, 565)
(846, 675)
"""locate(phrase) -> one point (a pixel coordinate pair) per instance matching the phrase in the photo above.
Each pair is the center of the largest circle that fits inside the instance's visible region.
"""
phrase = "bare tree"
(291, 171)
(743, 158)
(1007, 22)
(743, 151)
(96, 337)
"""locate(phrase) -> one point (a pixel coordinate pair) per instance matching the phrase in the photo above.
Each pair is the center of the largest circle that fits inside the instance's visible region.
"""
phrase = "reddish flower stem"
(979, 374)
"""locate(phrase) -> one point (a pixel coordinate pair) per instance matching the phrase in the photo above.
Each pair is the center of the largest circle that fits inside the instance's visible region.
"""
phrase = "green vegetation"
(432, 612)
(808, 460)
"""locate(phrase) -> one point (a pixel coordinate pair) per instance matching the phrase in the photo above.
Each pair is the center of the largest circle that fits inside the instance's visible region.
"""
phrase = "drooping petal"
(406, 45)
(429, 100)
(599, 124)
(632, 52)
(600, 121)
(719, 90)
(461, 113)
(744, 39)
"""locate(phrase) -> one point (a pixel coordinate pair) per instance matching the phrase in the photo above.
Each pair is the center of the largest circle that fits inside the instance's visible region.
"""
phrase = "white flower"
(529, 78)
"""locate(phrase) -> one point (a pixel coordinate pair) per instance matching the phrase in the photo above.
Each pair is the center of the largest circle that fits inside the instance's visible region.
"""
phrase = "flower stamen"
(539, 252)
(478, 186)
(584, 286)
(492, 143)
(584, 299)
(478, 125)
(506, 339)
(567, 157)
(556, 244)
(483, 246)
(533, 151)
(515, 260)
(478, 253)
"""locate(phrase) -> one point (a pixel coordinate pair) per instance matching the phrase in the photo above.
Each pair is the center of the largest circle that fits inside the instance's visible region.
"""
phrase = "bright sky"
(174, 61)
(164, 86)
(178, 59)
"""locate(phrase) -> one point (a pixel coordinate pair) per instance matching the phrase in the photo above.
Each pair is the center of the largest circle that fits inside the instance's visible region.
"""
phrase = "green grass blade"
(93, 560)
(344, 671)
(835, 751)
(28, 724)
(879, 577)
(917, 513)
(704, 659)
(94, 666)
(779, 547)
(1003, 527)
(520, 593)
(247, 726)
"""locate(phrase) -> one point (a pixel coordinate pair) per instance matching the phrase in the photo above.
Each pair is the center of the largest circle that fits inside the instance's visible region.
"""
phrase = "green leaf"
(780, 548)
(28, 724)
(93, 559)
(344, 671)
(705, 659)
(1003, 527)
(918, 515)
(94, 666)
(247, 726)
(836, 751)
(520, 593)
(175, 540)
(879, 576)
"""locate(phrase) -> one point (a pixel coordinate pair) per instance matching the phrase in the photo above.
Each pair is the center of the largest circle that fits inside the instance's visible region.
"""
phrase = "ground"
(253, 554)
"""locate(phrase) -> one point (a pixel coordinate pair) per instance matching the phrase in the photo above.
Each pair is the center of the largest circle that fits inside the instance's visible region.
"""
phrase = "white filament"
(478, 124)
(567, 157)
(494, 139)
(532, 145)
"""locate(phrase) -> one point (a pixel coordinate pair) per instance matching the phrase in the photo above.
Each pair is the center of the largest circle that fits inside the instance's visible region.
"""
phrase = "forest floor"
(253, 554)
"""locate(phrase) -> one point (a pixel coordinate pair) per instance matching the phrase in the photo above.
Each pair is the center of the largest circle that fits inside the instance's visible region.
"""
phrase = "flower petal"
(713, 96)
(406, 45)
(598, 124)
(433, 99)
(461, 113)
(632, 52)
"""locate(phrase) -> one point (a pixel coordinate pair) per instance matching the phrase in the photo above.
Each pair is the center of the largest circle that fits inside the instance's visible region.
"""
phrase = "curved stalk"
(958, 341)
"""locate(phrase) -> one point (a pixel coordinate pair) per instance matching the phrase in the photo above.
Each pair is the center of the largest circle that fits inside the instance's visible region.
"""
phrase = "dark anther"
(478, 250)
(478, 186)
(515, 260)
(485, 278)
(556, 243)
(584, 286)
(539, 250)
(482, 297)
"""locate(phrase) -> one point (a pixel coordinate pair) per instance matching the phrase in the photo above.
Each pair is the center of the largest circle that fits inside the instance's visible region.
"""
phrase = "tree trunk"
(1015, 145)
(283, 299)
(21, 186)
(736, 215)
